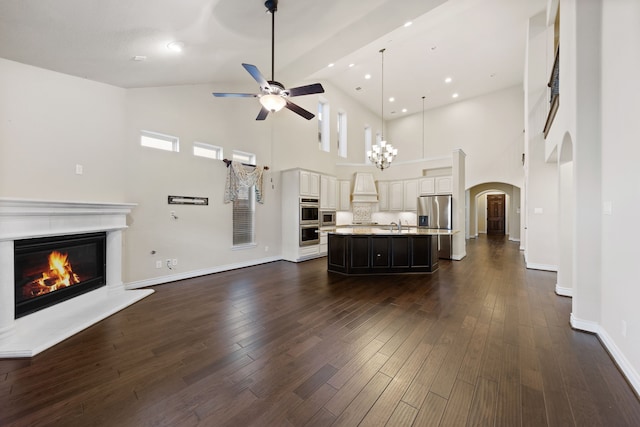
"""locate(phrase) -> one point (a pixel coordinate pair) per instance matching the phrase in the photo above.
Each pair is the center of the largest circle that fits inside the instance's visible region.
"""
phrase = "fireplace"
(54, 269)
(83, 241)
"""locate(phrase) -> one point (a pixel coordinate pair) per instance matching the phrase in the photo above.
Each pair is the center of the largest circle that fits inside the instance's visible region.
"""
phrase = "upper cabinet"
(435, 185)
(309, 184)
(344, 195)
(427, 186)
(383, 195)
(328, 192)
(411, 195)
(396, 195)
(444, 185)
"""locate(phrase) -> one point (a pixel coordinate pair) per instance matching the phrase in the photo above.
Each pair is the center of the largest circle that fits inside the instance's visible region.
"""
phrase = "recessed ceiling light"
(367, 76)
(455, 95)
(352, 65)
(448, 80)
(175, 46)
(404, 110)
(139, 58)
(407, 24)
(331, 65)
(391, 99)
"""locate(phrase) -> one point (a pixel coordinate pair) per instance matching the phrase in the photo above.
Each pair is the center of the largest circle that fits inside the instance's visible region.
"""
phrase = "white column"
(7, 289)
(114, 260)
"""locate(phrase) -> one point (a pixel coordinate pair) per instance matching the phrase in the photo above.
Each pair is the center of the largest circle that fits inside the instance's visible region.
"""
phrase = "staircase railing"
(554, 92)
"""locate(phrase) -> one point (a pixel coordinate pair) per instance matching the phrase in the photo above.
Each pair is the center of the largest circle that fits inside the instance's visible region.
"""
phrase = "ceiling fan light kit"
(273, 103)
(273, 96)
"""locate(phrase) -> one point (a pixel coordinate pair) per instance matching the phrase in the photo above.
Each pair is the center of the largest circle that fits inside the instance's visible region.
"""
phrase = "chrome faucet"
(400, 224)
(392, 225)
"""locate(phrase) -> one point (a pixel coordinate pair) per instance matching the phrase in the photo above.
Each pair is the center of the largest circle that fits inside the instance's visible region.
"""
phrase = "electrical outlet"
(174, 262)
(266, 248)
(79, 169)
(158, 264)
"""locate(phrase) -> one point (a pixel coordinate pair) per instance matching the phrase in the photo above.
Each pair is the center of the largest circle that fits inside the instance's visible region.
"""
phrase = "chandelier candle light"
(383, 153)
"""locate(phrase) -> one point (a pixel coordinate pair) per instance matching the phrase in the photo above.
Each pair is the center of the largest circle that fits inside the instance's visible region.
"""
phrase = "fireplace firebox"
(53, 269)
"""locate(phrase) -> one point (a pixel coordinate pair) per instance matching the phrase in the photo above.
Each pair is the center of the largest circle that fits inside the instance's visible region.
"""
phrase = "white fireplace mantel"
(24, 219)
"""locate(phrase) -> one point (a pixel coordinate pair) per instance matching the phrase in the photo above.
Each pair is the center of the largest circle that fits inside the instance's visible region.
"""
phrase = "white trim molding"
(545, 267)
(564, 291)
(197, 273)
(609, 344)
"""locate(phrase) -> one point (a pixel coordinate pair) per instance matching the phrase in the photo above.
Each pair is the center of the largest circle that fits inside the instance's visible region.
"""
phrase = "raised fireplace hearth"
(60, 271)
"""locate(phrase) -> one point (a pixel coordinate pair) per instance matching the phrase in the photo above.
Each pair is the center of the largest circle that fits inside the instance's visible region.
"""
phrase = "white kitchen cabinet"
(296, 183)
(444, 185)
(328, 192)
(396, 195)
(309, 184)
(411, 195)
(427, 186)
(344, 197)
(383, 196)
(324, 247)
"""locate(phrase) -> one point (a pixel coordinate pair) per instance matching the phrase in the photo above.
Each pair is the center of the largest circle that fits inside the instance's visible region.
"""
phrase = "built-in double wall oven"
(309, 221)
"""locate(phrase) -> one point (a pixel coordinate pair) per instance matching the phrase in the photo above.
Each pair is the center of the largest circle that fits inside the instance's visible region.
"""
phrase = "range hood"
(364, 188)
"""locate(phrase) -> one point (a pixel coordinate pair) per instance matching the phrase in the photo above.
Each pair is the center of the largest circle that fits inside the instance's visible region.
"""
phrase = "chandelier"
(383, 153)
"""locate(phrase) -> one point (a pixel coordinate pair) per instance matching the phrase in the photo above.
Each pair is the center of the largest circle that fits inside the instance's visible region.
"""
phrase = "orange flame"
(60, 275)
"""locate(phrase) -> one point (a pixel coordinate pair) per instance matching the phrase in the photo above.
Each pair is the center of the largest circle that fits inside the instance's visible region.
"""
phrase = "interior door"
(495, 214)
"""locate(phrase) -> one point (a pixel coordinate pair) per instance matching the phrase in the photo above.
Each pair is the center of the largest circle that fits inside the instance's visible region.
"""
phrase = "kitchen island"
(377, 250)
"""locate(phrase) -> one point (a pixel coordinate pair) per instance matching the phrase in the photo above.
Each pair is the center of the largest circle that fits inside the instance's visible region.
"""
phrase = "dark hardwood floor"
(482, 341)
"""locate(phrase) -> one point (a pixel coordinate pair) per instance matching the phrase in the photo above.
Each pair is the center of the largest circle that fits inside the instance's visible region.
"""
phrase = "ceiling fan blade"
(306, 90)
(257, 75)
(235, 95)
(262, 114)
(299, 110)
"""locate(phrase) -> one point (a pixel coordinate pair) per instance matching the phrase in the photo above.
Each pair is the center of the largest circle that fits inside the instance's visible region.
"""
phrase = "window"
(323, 126)
(159, 141)
(209, 151)
(244, 207)
(367, 143)
(342, 134)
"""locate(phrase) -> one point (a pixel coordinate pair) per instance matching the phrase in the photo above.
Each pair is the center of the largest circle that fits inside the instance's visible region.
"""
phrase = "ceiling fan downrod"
(272, 7)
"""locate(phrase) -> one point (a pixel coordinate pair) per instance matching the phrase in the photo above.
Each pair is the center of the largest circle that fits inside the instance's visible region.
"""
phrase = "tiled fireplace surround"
(24, 219)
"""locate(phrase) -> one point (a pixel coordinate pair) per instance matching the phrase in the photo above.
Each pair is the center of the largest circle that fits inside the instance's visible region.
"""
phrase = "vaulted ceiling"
(479, 44)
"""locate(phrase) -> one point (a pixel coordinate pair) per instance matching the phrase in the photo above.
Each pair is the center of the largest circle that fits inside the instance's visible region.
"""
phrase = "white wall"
(201, 237)
(619, 293)
(541, 190)
(489, 129)
(600, 93)
(49, 122)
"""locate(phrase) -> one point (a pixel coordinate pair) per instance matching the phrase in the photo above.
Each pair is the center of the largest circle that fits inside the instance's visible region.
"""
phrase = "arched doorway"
(479, 199)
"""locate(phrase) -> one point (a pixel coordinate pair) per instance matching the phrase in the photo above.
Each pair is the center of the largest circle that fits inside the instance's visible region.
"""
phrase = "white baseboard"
(513, 239)
(627, 368)
(564, 291)
(545, 267)
(458, 257)
(196, 273)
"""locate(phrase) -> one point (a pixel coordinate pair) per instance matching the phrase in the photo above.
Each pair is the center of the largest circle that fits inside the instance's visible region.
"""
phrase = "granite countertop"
(382, 230)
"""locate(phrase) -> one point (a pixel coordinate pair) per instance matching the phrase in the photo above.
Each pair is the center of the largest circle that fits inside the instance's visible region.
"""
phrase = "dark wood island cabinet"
(378, 251)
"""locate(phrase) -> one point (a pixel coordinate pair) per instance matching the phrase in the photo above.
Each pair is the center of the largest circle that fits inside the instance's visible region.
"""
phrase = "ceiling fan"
(273, 96)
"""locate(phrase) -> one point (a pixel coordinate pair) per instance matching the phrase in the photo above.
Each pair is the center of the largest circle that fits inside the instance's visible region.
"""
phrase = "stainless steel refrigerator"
(435, 212)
